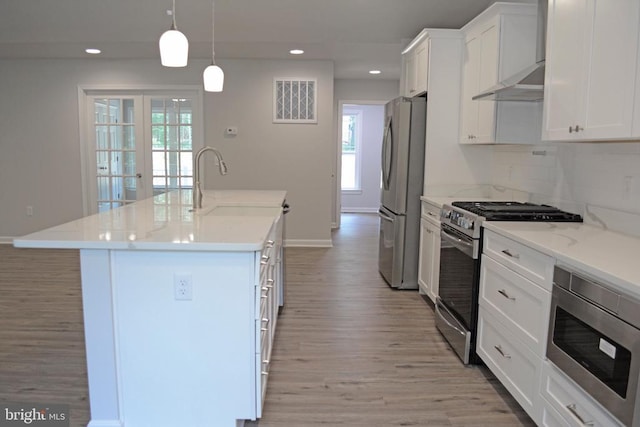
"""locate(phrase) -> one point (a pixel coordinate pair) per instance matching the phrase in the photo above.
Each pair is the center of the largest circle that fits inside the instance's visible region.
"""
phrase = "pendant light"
(174, 46)
(213, 75)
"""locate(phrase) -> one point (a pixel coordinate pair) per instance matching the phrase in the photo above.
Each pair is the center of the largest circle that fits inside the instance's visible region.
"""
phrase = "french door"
(139, 145)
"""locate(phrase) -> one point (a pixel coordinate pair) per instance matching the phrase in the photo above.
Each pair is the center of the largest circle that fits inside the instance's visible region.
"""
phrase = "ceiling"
(358, 35)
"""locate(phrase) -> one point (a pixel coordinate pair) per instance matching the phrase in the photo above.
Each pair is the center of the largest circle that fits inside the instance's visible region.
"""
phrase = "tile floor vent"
(294, 100)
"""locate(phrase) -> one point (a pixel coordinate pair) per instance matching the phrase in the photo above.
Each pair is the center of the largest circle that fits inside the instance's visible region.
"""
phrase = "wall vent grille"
(294, 100)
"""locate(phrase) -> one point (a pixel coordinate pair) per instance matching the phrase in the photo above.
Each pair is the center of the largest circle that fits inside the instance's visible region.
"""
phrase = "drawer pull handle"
(506, 295)
(264, 296)
(502, 353)
(264, 329)
(508, 253)
(574, 411)
(270, 243)
(265, 320)
(265, 373)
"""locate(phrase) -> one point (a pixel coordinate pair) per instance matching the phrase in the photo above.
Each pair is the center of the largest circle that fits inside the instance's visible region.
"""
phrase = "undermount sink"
(244, 211)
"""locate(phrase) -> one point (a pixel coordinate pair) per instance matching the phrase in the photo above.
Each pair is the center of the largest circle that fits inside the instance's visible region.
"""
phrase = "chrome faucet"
(222, 167)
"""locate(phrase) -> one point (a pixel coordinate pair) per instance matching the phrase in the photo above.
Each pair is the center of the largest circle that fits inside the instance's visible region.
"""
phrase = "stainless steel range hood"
(528, 84)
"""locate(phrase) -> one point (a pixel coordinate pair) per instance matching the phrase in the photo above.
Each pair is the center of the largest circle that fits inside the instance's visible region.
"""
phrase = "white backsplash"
(599, 181)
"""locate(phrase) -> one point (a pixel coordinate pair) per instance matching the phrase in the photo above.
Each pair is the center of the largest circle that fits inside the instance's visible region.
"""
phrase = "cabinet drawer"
(530, 263)
(517, 367)
(575, 406)
(550, 417)
(518, 303)
(431, 211)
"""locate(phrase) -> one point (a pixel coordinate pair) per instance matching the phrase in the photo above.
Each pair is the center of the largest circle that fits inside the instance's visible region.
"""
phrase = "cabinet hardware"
(579, 129)
(265, 373)
(572, 408)
(270, 243)
(502, 353)
(508, 253)
(264, 329)
(264, 288)
(265, 320)
(264, 296)
(506, 295)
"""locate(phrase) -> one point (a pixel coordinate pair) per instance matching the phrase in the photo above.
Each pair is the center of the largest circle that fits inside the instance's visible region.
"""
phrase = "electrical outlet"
(182, 287)
(29, 211)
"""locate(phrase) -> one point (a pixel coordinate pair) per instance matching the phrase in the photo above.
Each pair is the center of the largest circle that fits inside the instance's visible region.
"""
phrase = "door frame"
(337, 190)
(84, 131)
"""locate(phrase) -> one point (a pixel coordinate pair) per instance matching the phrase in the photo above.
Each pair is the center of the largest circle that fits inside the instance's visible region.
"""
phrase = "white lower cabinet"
(570, 405)
(515, 297)
(516, 300)
(429, 259)
(429, 266)
(510, 360)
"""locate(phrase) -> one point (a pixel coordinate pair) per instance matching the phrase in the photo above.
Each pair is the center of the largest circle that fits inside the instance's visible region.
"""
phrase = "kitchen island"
(180, 306)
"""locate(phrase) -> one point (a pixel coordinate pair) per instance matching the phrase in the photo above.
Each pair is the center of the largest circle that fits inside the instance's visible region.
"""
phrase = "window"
(351, 150)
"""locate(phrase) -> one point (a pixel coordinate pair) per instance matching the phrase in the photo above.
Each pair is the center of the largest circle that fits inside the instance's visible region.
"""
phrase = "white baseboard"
(302, 243)
(358, 210)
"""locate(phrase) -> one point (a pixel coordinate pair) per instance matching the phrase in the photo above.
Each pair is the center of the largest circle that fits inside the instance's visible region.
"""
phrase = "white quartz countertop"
(230, 220)
(607, 256)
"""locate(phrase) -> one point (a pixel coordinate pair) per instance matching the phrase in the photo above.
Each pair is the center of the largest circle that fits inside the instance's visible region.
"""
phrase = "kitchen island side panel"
(194, 359)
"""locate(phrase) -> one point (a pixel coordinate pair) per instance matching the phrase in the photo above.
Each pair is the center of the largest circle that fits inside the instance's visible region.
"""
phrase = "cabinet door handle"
(506, 295)
(579, 129)
(265, 320)
(508, 253)
(574, 411)
(502, 353)
(570, 129)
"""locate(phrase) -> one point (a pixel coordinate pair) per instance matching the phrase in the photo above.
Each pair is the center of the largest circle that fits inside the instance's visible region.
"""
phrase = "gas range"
(467, 217)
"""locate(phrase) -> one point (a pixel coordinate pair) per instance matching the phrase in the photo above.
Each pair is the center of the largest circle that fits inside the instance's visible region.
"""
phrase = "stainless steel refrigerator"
(402, 178)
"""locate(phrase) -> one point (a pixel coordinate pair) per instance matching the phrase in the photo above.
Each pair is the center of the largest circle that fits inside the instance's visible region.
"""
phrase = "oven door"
(597, 350)
(456, 305)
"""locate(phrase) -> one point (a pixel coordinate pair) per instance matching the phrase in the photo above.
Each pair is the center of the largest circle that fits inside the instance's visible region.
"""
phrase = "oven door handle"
(464, 246)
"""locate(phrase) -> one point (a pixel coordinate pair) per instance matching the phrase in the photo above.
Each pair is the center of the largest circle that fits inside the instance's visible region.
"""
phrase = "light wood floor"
(349, 350)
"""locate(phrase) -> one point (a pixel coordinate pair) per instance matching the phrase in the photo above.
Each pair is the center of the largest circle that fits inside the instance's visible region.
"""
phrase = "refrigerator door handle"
(385, 217)
(387, 143)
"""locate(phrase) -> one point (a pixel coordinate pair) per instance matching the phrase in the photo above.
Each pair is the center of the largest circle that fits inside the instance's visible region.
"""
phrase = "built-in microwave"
(594, 338)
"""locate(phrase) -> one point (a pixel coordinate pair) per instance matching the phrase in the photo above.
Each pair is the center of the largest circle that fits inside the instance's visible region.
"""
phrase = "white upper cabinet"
(591, 63)
(499, 42)
(415, 66)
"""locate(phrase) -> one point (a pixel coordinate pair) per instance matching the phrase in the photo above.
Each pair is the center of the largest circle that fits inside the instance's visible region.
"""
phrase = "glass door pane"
(171, 144)
(115, 151)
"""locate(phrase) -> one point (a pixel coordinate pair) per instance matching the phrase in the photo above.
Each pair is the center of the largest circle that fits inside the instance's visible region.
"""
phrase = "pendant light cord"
(173, 15)
(213, 48)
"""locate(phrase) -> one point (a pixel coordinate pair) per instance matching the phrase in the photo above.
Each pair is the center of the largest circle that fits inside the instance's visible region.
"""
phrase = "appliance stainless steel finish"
(402, 178)
(594, 337)
(460, 249)
(528, 84)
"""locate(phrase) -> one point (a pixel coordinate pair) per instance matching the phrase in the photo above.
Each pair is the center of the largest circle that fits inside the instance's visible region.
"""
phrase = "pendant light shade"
(213, 75)
(174, 46)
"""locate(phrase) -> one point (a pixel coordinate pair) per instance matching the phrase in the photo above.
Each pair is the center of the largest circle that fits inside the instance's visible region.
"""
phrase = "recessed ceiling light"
(93, 51)
(296, 51)
(375, 72)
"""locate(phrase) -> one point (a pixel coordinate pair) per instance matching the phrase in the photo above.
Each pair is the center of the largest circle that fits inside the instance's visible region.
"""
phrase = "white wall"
(40, 147)
(583, 176)
(368, 199)
(354, 90)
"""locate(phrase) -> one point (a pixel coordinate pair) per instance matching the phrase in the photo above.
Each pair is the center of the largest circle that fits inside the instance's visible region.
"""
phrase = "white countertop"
(608, 256)
(230, 220)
